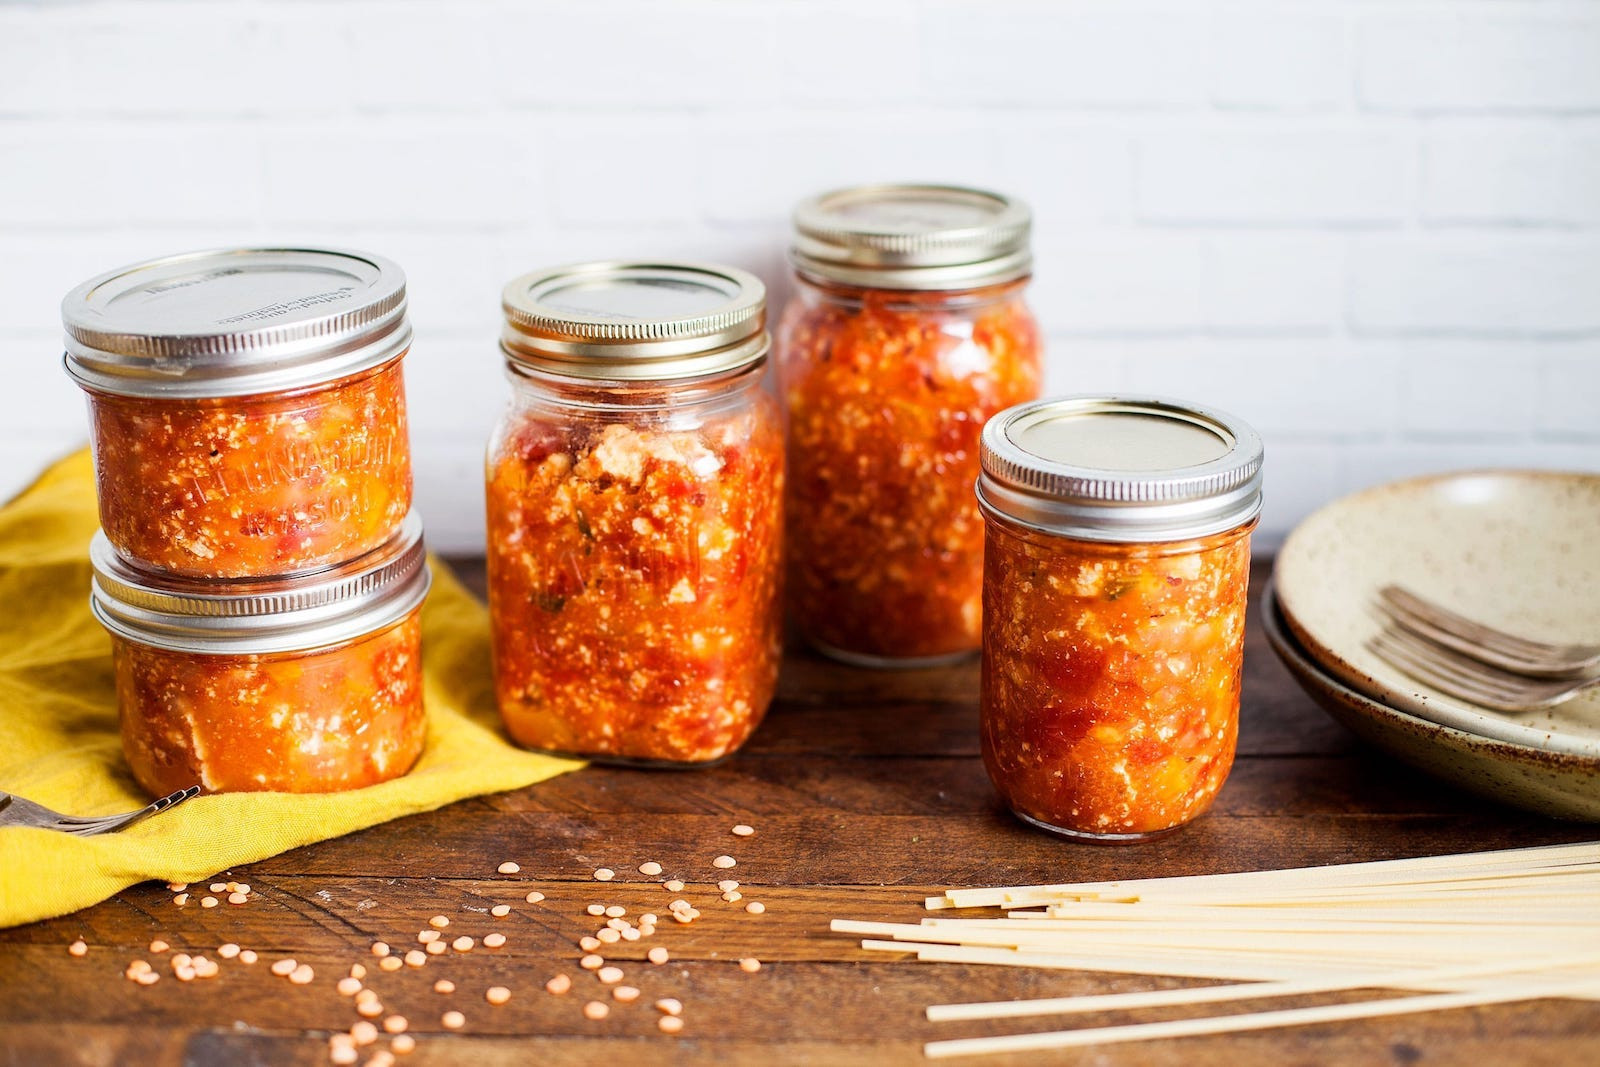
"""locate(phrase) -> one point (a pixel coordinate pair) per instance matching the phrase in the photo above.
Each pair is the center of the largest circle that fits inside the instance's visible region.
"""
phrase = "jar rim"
(243, 616)
(234, 322)
(1121, 468)
(635, 320)
(909, 235)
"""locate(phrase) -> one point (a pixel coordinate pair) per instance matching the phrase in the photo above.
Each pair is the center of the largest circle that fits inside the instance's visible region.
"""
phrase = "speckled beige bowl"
(1557, 784)
(1515, 549)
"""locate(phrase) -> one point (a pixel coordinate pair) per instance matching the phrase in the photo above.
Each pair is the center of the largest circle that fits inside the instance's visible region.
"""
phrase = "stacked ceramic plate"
(1517, 550)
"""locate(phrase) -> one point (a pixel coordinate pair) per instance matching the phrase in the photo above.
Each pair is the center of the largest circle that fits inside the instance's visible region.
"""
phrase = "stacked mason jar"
(258, 567)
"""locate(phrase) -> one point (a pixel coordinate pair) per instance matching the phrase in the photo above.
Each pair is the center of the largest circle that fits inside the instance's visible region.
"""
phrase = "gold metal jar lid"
(635, 321)
(261, 616)
(1122, 469)
(906, 236)
(235, 322)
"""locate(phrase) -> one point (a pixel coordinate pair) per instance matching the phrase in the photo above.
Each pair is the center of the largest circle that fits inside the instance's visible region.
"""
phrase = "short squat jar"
(247, 408)
(299, 685)
(635, 490)
(1116, 562)
(907, 331)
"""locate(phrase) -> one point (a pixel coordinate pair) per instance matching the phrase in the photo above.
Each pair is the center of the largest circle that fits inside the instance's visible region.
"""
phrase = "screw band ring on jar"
(635, 321)
(235, 322)
(261, 616)
(914, 237)
(1120, 469)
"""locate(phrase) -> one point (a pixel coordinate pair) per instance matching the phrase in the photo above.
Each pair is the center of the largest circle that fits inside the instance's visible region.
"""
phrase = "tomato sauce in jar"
(248, 408)
(1116, 566)
(908, 330)
(303, 685)
(634, 494)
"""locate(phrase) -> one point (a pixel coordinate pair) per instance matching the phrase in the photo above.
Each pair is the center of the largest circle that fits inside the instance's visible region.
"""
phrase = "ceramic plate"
(1515, 549)
(1550, 783)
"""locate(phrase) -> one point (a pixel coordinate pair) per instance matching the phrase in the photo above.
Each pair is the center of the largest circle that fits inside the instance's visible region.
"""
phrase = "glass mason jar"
(1116, 563)
(247, 408)
(301, 685)
(634, 492)
(907, 331)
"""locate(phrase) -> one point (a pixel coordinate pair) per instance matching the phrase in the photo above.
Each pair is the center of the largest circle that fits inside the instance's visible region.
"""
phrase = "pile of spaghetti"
(1451, 931)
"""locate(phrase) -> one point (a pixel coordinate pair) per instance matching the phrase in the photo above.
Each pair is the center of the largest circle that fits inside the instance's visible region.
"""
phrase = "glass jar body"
(301, 722)
(885, 394)
(1111, 675)
(634, 555)
(251, 486)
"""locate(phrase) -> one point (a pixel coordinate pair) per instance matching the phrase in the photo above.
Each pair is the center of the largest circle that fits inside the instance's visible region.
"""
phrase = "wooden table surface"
(866, 792)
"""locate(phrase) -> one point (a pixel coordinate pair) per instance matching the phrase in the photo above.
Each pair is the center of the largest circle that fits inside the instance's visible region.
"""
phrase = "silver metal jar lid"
(912, 237)
(234, 322)
(261, 616)
(1122, 469)
(643, 321)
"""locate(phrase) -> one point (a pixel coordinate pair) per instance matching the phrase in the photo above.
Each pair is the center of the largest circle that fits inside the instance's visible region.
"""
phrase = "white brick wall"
(1370, 227)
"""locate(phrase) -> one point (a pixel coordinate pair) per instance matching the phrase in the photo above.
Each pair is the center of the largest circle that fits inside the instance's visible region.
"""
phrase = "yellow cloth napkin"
(59, 742)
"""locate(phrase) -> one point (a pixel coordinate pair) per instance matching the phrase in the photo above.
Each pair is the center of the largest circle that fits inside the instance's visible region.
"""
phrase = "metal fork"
(1485, 643)
(1471, 680)
(19, 811)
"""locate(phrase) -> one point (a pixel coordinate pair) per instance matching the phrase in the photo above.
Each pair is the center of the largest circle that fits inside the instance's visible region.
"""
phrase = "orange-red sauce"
(634, 575)
(886, 394)
(1110, 694)
(248, 486)
(302, 722)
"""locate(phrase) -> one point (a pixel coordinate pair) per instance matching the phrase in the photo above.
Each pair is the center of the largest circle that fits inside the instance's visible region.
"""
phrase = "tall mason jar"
(1116, 567)
(907, 331)
(635, 490)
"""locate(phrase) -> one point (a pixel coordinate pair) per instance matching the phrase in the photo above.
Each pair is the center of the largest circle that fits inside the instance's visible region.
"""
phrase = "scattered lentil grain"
(749, 965)
(228, 951)
(588, 944)
(650, 869)
(159, 945)
(283, 967)
(416, 958)
(343, 1055)
(609, 975)
(625, 993)
(439, 922)
(391, 963)
(657, 955)
(591, 962)
(219, 887)
(672, 885)
(364, 1033)
(437, 948)
(463, 943)
(357, 971)
(604, 874)
(508, 868)
(723, 863)
(403, 1044)
(371, 1009)
(208, 902)
(453, 1020)
(727, 885)
(743, 831)
(78, 948)
(534, 897)
(349, 987)
(558, 985)
(755, 907)
(616, 911)
(608, 935)
(380, 948)
(493, 940)
(302, 975)
(500, 911)
(669, 1024)
(249, 956)
(596, 909)
(237, 898)
(395, 1024)
(669, 1006)
(427, 937)
(596, 1010)
(497, 994)
(444, 985)
(181, 899)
